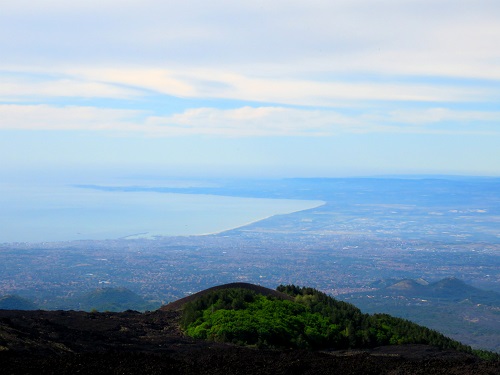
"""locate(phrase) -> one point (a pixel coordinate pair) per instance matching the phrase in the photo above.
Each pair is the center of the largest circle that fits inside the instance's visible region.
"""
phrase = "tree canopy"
(313, 320)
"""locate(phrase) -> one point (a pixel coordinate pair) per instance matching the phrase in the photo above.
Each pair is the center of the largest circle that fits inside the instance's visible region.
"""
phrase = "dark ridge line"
(179, 304)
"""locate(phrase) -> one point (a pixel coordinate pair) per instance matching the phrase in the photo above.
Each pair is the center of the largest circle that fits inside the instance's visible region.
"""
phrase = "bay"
(34, 213)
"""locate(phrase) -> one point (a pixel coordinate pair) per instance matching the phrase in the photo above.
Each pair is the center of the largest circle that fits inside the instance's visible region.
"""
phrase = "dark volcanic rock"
(68, 342)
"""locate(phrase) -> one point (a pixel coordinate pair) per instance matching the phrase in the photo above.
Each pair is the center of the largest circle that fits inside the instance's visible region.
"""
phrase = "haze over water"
(62, 213)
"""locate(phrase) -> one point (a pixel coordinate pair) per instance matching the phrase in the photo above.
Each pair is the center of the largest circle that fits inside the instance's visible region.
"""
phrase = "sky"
(249, 88)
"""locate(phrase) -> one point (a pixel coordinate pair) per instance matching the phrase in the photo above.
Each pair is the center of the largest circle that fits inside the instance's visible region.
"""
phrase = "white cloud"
(318, 53)
(19, 89)
(44, 117)
(244, 121)
(436, 115)
(207, 84)
(126, 83)
(362, 54)
(248, 121)
(239, 122)
(344, 66)
(253, 38)
(159, 80)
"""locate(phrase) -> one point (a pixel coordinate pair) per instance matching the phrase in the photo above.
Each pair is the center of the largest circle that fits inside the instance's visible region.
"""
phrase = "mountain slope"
(451, 306)
(179, 304)
(311, 319)
(13, 302)
(109, 299)
(449, 288)
(67, 342)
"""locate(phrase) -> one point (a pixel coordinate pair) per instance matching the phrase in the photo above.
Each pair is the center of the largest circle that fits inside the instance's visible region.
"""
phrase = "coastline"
(254, 221)
(70, 215)
(152, 235)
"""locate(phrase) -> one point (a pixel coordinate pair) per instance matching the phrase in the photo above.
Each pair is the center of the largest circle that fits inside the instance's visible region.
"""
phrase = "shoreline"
(153, 236)
(143, 235)
(251, 222)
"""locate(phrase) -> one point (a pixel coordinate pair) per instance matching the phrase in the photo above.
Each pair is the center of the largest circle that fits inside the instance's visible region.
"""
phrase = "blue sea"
(46, 213)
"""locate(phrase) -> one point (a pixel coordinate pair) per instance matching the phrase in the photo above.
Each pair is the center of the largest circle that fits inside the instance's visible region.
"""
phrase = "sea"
(52, 213)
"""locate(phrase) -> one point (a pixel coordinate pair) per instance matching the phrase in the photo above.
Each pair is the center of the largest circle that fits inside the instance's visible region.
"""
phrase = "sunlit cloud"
(45, 117)
(436, 115)
(246, 37)
(157, 80)
(19, 89)
(239, 122)
(248, 121)
(283, 52)
(210, 71)
(205, 84)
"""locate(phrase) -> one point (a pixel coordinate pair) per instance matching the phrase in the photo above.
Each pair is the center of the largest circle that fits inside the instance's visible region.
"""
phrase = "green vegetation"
(454, 308)
(364, 330)
(311, 320)
(250, 319)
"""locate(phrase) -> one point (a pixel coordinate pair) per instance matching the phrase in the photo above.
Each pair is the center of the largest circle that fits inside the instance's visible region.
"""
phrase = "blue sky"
(250, 88)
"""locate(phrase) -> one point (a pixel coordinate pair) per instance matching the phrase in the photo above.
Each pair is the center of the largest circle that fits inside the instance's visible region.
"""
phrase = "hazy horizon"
(250, 89)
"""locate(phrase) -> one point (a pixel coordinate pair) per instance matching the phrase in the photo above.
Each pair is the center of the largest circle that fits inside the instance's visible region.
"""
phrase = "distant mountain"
(450, 305)
(407, 286)
(453, 287)
(449, 288)
(14, 302)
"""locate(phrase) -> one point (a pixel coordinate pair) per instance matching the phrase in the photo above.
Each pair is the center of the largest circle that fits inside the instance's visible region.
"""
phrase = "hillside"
(179, 304)
(451, 306)
(297, 318)
(13, 302)
(99, 299)
(67, 342)
(109, 299)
